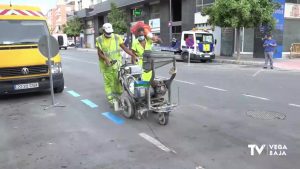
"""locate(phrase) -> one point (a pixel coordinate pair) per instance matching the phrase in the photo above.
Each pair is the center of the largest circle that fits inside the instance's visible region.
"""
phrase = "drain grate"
(266, 115)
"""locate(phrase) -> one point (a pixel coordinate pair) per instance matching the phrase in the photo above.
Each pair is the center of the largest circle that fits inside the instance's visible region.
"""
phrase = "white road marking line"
(214, 88)
(201, 106)
(182, 81)
(199, 167)
(156, 142)
(80, 60)
(256, 97)
(294, 105)
(256, 73)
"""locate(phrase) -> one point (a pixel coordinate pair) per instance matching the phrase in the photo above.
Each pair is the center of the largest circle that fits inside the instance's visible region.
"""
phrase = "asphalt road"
(211, 128)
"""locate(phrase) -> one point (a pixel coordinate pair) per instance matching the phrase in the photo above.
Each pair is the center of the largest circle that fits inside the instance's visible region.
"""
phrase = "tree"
(118, 19)
(73, 28)
(241, 13)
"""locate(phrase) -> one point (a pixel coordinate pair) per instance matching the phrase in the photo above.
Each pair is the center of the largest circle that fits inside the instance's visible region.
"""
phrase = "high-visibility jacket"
(139, 50)
(111, 48)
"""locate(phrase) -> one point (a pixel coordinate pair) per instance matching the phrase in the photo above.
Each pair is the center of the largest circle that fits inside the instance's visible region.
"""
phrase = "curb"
(239, 62)
(86, 49)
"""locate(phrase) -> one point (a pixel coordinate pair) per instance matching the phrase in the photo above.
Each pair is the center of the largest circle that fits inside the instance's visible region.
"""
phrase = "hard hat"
(108, 28)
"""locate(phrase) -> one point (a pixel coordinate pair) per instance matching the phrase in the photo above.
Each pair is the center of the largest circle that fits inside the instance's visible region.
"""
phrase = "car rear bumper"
(7, 86)
(204, 57)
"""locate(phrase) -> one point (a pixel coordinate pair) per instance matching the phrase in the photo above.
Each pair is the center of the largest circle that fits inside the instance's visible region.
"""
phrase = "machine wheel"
(128, 106)
(163, 118)
(185, 56)
(130, 84)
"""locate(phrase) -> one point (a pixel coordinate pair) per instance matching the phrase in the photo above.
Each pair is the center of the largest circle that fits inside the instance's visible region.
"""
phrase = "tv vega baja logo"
(271, 149)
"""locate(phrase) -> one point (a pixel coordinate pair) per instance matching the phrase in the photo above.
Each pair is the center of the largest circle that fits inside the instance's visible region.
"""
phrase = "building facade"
(57, 16)
(168, 18)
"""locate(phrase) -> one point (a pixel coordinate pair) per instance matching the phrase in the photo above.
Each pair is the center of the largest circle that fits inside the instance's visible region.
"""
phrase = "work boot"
(110, 103)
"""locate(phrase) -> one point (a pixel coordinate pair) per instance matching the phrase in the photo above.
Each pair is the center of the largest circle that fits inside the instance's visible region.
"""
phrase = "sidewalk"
(243, 61)
(87, 49)
(285, 64)
(289, 64)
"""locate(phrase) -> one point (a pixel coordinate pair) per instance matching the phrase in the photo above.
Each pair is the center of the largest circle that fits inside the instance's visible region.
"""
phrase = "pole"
(189, 60)
(50, 69)
(170, 22)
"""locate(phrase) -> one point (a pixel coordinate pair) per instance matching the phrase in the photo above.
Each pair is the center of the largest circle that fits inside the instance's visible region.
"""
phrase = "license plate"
(207, 56)
(26, 86)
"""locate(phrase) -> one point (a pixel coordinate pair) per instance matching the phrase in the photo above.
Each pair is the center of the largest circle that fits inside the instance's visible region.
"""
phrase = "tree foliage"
(73, 27)
(118, 19)
(241, 13)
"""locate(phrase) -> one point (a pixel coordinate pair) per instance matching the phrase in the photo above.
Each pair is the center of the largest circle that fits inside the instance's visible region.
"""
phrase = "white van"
(62, 40)
(203, 45)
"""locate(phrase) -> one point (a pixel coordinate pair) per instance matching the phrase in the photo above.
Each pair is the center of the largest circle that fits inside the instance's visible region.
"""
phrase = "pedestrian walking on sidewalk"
(269, 45)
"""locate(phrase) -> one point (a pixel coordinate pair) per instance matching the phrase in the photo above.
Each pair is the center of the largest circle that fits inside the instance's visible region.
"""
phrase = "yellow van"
(22, 67)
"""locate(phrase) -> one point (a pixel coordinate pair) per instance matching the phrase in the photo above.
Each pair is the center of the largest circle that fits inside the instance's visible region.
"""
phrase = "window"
(293, 1)
(34, 30)
(154, 11)
(206, 38)
(291, 33)
(200, 4)
(176, 32)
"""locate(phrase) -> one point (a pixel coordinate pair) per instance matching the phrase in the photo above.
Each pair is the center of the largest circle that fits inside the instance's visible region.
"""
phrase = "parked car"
(62, 40)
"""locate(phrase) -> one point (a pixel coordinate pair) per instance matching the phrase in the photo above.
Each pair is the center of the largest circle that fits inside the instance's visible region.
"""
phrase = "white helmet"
(107, 27)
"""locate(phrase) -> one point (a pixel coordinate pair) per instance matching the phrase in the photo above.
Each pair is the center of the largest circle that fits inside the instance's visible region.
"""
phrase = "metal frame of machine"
(141, 97)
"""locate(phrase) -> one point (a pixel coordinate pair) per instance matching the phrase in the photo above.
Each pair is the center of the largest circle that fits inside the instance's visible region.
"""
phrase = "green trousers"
(112, 85)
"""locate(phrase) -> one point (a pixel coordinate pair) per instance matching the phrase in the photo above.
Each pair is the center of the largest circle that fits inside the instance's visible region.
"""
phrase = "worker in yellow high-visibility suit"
(108, 46)
(139, 45)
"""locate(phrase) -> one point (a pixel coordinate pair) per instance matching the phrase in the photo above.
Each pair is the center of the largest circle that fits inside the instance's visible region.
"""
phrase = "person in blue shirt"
(269, 45)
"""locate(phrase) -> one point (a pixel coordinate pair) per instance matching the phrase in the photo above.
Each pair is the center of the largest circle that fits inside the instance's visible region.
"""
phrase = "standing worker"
(269, 45)
(140, 44)
(108, 46)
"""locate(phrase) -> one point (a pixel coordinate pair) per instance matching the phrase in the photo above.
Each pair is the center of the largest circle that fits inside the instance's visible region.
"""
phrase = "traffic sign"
(48, 46)
(52, 46)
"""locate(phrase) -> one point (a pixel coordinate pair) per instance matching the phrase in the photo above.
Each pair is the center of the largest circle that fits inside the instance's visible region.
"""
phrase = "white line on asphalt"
(156, 142)
(294, 105)
(256, 97)
(181, 81)
(214, 88)
(256, 73)
(80, 60)
(199, 167)
(200, 106)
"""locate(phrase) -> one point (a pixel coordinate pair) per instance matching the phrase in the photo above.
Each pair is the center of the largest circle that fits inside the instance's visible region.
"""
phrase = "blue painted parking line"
(113, 118)
(89, 103)
(73, 93)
